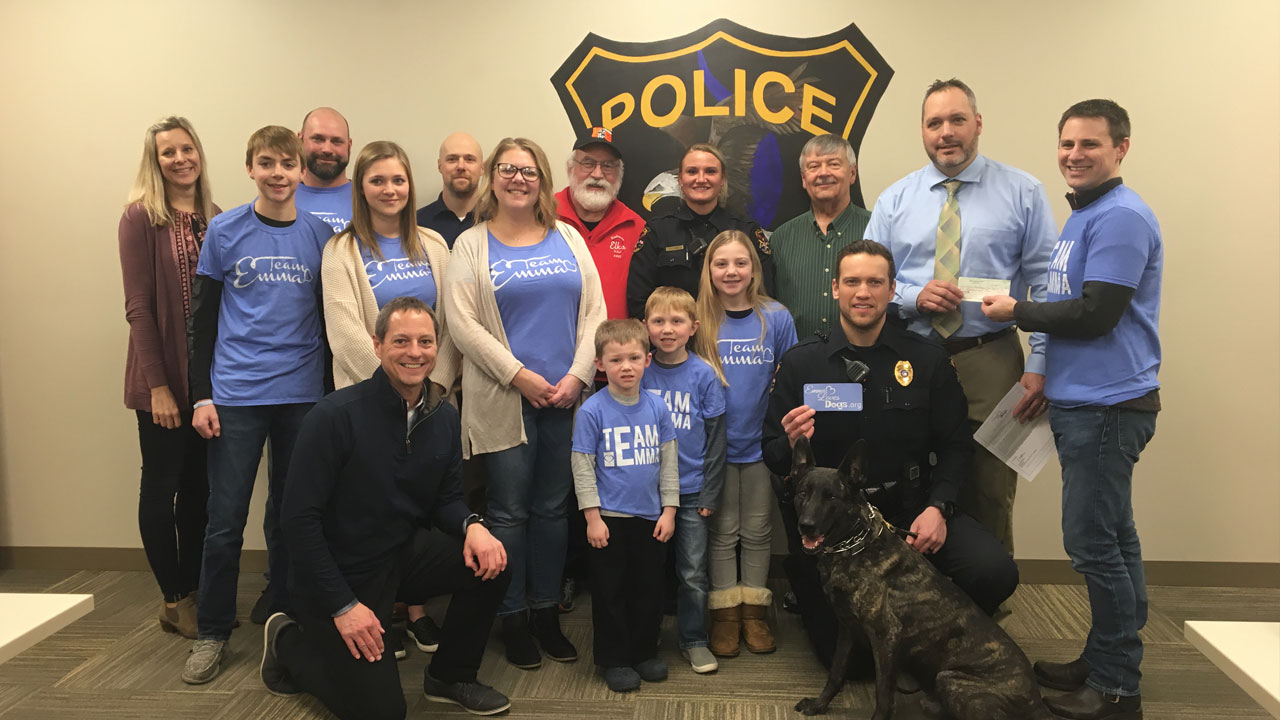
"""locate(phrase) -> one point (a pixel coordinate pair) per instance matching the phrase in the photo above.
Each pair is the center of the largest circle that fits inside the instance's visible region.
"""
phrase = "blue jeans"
(691, 573)
(233, 465)
(1098, 447)
(529, 487)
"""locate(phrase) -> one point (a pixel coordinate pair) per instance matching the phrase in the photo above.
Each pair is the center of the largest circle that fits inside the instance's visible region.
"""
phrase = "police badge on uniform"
(903, 373)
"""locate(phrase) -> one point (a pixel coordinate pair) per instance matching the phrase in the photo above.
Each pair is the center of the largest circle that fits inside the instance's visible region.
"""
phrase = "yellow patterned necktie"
(946, 260)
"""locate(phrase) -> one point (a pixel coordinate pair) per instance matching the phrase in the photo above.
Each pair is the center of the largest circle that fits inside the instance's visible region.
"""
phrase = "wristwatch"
(472, 519)
(948, 509)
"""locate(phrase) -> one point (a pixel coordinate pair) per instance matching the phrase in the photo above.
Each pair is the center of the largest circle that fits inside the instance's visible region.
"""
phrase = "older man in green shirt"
(805, 247)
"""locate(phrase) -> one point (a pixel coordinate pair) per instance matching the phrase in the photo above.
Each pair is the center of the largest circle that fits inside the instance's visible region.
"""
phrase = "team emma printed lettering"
(630, 445)
(271, 269)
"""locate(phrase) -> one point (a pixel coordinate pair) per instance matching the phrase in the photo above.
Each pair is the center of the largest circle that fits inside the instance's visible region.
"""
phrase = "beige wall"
(81, 81)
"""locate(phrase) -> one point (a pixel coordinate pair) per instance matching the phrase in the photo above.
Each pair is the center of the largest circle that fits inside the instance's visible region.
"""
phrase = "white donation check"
(975, 289)
(1025, 447)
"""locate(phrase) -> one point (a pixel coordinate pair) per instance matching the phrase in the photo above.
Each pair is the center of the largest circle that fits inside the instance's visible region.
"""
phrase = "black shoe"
(272, 674)
(262, 608)
(568, 589)
(651, 670)
(620, 679)
(1062, 676)
(790, 603)
(544, 625)
(476, 698)
(425, 634)
(393, 644)
(1089, 704)
(521, 650)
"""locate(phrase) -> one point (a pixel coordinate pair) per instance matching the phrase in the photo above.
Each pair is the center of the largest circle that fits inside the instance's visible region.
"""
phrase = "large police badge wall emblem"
(758, 97)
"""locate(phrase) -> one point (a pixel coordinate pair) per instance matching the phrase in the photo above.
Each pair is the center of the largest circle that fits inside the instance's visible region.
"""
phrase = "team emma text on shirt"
(630, 445)
(271, 269)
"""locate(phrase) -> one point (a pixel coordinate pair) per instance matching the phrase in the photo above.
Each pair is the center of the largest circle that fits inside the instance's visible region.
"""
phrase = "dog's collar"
(857, 543)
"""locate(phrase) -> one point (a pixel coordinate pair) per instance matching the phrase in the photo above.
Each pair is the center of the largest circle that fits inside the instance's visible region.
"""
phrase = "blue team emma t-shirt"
(538, 288)
(396, 275)
(749, 361)
(693, 394)
(332, 205)
(1114, 239)
(268, 350)
(626, 441)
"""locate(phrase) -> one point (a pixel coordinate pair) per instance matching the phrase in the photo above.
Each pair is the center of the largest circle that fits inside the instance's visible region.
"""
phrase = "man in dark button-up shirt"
(454, 210)
(914, 415)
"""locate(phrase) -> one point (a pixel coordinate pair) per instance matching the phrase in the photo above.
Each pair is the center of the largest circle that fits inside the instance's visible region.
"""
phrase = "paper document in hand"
(1025, 447)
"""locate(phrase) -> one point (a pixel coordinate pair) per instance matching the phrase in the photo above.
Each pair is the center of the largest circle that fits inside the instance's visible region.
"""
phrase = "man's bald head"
(326, 146)
(327, 116)
(460, 164)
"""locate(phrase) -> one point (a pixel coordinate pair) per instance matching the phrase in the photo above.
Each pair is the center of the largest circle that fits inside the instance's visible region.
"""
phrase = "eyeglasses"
(609, 167)
(508, 171)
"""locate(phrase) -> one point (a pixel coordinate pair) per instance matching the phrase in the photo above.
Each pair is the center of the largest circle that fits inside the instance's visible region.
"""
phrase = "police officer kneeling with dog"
(900, 392)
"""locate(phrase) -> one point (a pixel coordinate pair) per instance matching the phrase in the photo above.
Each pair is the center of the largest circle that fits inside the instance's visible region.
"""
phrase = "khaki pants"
(987, 372)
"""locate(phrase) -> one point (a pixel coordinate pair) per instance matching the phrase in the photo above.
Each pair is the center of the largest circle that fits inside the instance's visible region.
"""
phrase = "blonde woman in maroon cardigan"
(161, 231)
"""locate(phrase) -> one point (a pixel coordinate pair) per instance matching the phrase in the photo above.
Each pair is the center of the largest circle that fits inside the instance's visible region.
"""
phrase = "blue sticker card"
(833, 397)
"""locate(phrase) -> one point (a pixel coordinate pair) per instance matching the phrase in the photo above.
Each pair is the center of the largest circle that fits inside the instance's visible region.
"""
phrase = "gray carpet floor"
(116, 663)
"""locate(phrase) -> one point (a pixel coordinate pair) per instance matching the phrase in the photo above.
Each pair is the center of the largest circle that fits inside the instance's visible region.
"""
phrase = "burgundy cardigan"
(153, 306)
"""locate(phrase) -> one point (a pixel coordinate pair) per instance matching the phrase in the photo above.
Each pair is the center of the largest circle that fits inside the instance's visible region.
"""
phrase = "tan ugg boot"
(755, 628)
(726, 621)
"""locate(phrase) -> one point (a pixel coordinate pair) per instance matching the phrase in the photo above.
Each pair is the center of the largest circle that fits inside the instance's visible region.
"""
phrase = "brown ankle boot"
(726, 621)
(181, 618)
(755, 628)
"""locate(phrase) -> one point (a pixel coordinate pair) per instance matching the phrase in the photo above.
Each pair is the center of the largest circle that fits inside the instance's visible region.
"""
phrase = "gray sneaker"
(273, 675)
(700, 659)
(476, 698)
(202, 666)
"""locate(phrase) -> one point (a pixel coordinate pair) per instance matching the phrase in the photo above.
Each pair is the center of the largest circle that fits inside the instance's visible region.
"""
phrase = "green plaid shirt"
(804, 257)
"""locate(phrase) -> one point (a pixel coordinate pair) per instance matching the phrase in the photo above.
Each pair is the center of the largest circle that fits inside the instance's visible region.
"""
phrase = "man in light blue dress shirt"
(1007, 232)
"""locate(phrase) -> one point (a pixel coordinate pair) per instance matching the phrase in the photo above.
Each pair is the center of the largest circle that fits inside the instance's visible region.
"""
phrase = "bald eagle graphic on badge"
(903, 373)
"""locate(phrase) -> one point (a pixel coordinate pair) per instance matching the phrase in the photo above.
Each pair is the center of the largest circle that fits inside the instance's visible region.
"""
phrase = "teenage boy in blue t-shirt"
(628, 486)
(695, 397)
(1102, 318)
(257, 367)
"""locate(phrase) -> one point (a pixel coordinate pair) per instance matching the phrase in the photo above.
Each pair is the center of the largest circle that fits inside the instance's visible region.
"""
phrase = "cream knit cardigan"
(491, 415)
(350, 310)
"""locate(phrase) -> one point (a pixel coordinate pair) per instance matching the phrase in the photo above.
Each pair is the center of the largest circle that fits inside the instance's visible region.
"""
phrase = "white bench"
(28, 618)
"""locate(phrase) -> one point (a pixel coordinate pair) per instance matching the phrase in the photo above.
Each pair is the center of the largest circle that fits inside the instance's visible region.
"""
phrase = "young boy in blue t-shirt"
(625, 475)
(257, 365)
(695, 398)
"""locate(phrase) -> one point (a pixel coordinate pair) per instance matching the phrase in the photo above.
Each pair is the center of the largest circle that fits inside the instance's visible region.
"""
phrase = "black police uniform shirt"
(914, 412)
(672, 249)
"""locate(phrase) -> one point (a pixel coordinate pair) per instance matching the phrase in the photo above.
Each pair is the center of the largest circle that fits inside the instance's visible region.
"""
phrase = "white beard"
(592, 199)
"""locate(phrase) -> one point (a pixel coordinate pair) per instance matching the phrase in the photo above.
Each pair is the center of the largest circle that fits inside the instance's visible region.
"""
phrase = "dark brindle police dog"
(917, 621)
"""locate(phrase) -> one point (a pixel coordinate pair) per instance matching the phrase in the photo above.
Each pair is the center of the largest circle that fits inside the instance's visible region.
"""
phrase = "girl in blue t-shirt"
(382, 255)
(743, 335)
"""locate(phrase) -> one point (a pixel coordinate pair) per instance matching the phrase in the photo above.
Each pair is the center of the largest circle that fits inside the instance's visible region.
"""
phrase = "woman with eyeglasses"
(672, 248)
(160, 236)
(523, 299)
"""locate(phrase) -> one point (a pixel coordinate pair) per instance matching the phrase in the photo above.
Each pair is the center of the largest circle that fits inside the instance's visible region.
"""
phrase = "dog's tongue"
(812, 543)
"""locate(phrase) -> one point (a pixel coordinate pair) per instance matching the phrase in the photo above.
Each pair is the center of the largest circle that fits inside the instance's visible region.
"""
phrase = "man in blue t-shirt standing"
(1102, 319)
(326, 149)
(257, 367)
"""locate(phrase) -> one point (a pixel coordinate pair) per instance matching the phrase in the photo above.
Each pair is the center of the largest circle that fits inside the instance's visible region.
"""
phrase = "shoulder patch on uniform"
(640, 240)
(762, 242)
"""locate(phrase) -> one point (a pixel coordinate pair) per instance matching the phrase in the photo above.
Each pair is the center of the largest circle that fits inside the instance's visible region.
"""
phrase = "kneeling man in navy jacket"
(373, 514)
